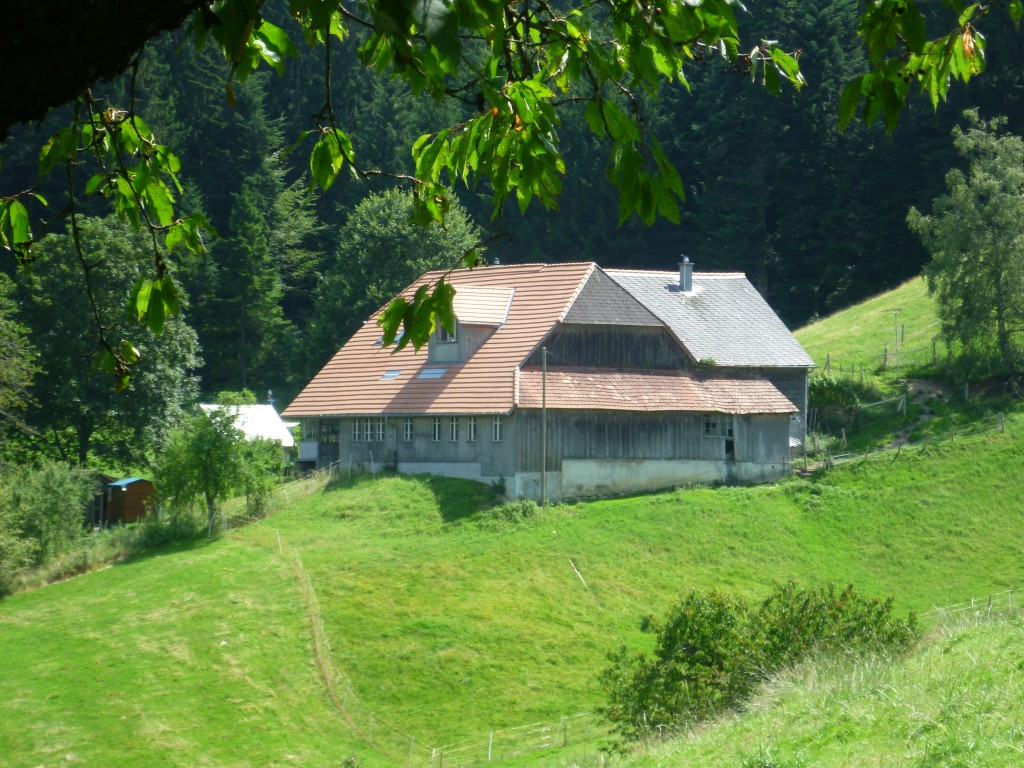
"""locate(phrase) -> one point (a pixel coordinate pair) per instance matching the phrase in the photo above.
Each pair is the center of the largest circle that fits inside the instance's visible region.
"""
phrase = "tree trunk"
(211, 512)
(84, 431)
(1006, 351)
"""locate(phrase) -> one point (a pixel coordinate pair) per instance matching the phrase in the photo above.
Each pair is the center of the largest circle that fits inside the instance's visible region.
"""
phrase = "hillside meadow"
(449, 619)
(864, 333)
(958, 700)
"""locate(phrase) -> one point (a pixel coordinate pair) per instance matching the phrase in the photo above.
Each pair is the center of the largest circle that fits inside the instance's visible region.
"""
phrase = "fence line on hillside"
(985, 425)
(1004, 602)
(398, 744)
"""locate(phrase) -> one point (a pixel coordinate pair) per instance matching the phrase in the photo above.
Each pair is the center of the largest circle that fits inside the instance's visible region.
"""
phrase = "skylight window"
(431, 373)
(390, 375)
(398, 337)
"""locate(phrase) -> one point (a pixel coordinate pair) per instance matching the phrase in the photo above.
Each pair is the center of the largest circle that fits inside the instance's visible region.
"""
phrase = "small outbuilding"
(126, 501)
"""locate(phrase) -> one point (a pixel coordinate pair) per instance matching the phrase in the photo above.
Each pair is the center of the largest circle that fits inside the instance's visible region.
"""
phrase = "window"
(390, 375)
(329, 431)
(496, 429)
(431, 373)
(471, 430)
(453, 429)
(444, 336)
(437, 429)
(368, 430)
(408, 431)
(309, 431)
(718, 425)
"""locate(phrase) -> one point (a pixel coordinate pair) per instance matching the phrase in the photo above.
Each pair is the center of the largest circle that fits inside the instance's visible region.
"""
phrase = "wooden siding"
(613, 346)
(618, 435)
(495, 458)
(468, 339)
(792, 383)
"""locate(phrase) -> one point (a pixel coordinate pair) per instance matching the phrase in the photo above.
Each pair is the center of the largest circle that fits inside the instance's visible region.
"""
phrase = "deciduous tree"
(976, 237)
(77, 411)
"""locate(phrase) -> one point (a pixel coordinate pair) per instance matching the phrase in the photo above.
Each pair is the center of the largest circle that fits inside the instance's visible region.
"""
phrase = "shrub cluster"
(713, 649)
(512, 514)
(42, 512)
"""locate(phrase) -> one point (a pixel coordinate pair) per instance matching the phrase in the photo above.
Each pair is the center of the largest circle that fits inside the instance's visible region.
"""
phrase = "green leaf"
(158, 201)
(432, 157)
(170, 295)
(438, 22)
(443, 298)
(21, 233)
(1016, 11)
(594, 118)
(620, 126)
(141, 296)
(156, 314)
(129, 353)
(60, 147)
(326, 160)
(914, 30)
(95, 182)
(848, 102)
(391, 320)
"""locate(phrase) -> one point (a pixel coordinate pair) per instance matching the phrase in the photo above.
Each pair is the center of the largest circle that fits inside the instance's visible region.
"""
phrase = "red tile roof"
(620, 390)
(350, 384)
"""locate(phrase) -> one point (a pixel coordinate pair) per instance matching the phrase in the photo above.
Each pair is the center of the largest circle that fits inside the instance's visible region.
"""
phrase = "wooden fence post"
(828, 362)
(490, 747)
(885, 356)
(1002, 422)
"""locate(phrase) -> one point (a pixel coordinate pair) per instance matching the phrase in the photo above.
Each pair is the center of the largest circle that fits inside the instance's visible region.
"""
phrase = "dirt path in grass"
(920, 391)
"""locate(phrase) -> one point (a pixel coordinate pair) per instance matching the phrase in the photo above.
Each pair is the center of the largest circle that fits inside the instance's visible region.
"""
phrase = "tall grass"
(958, 701)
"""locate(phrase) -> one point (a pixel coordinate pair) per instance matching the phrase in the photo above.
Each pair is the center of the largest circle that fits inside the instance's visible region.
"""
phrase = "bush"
(711, 650)
(700, 666)
(42, 515)
(510, 515)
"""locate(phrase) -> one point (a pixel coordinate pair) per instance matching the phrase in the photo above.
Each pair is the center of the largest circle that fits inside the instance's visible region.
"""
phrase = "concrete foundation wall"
(465, 470)
(596, 477)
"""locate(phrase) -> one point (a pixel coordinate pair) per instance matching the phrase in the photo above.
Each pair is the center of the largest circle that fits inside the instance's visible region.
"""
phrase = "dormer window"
(444, 336)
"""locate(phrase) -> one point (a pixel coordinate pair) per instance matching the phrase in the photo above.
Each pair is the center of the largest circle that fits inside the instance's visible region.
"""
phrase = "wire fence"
(1000, 603)
(986, 425)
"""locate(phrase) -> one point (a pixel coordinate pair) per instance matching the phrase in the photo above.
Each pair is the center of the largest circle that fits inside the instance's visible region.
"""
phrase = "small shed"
(126, 500)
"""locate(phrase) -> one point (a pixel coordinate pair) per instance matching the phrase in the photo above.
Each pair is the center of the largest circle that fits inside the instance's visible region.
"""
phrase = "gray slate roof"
(723, 318)
(602, 301)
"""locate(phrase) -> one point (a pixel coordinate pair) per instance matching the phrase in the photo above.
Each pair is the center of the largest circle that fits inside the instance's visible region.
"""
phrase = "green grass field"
(449, 624)
(861, 335)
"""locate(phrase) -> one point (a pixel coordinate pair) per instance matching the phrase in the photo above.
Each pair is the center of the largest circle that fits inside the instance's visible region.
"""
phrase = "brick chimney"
(685, 275)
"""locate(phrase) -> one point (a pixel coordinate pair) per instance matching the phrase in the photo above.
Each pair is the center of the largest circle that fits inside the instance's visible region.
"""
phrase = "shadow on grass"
(178, 546)
(457, 499)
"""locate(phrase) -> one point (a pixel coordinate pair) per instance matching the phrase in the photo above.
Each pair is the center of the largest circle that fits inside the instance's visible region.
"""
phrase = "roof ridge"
(673, 272)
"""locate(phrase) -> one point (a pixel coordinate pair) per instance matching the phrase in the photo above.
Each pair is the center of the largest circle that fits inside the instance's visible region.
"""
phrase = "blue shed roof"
(126, 481)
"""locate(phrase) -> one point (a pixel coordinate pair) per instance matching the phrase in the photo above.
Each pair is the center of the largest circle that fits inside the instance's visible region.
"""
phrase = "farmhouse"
(566, 380)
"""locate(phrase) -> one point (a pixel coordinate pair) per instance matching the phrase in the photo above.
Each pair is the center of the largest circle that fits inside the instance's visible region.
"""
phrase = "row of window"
(372, 430)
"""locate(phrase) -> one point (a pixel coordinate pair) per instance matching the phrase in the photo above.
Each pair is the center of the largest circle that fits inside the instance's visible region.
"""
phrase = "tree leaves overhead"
(520, 71)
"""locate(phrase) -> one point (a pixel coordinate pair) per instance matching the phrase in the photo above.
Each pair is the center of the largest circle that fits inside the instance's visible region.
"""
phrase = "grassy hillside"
(449, 621)
(861, 334)
(957, 701)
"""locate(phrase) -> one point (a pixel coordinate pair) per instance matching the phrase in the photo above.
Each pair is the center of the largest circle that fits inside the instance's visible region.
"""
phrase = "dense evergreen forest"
(815, 218)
